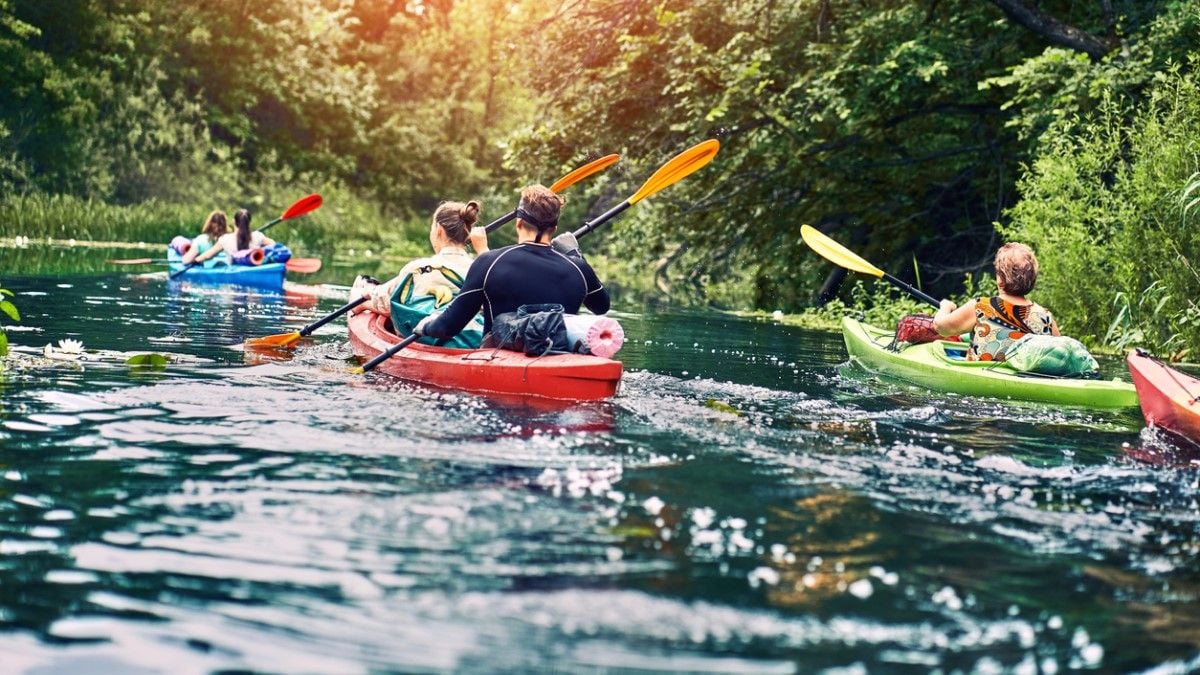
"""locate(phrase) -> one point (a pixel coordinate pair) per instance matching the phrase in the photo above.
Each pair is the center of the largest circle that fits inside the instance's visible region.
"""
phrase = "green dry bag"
(1060, 356)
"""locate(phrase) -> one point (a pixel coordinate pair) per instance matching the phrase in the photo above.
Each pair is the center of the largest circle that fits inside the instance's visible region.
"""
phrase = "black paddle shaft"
(602, 218)
(911, 290)
(500, 222)
(389, 353)
(308, 330)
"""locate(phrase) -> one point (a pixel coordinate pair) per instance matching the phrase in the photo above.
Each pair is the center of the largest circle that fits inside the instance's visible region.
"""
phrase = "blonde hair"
(215, 225)
(456, 219)
(1016, 269)
(543, 204)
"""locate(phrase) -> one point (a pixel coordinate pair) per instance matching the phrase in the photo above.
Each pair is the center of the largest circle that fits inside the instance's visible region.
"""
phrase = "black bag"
(533, 329)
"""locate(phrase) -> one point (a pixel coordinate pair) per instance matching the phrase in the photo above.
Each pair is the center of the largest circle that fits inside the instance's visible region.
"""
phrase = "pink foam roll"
(598, 335)
(181, 244)
(249, 256)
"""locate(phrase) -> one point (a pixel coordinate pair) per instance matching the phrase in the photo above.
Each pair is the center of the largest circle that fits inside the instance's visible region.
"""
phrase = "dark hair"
(242, 220)
(1016, 269)
(456, 219)
(214, 225)
(543, 205)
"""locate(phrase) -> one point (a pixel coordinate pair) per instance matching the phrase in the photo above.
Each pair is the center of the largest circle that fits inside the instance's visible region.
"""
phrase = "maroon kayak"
(572, 377)
(1170, 399)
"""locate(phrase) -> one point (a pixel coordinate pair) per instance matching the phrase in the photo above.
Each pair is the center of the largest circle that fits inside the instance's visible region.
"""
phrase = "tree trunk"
(1053, 30)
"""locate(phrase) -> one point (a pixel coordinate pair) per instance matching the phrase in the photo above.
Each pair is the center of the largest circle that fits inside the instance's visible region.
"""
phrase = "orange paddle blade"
(679, 167)
(304, 265)
(302, 206)
(274, 341)
(584, 171)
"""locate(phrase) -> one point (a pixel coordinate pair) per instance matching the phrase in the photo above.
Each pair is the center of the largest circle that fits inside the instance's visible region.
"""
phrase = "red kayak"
(1170, 399)
(572, 377)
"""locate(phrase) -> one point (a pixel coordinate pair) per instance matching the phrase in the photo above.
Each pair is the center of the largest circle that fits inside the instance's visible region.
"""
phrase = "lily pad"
(150, 360)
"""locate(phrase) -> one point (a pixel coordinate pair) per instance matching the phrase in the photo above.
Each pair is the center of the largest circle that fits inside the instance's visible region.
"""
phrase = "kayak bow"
(1170, 399)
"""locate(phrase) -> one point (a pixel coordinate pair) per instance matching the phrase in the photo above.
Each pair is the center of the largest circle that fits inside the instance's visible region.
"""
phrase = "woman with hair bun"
(539, 269)
(997, 322)
(439, 275)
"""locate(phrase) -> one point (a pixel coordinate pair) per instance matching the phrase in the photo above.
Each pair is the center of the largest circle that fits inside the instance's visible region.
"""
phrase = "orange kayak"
(572, 377)
(1170, 399)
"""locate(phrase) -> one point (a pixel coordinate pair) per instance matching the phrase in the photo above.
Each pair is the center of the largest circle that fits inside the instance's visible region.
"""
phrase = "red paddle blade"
(302, 206)
(274, 341)
(304, 265)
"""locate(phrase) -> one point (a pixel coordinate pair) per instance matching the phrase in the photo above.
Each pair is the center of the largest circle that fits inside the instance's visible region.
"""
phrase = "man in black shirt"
(530, 272)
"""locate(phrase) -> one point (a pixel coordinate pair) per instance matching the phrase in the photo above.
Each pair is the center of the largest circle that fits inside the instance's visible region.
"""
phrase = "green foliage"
(1105, 205)
(132, 101)
(864, 117)
(877, 303)
(10, 310)
(1058, 85)
(902, 128)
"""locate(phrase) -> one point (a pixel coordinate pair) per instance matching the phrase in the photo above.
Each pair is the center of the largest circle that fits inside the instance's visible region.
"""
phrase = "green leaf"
(147, 360)
(10, 309)
(3, 344)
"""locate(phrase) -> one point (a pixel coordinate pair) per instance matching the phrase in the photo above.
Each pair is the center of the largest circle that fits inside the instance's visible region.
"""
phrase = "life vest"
(407, 310)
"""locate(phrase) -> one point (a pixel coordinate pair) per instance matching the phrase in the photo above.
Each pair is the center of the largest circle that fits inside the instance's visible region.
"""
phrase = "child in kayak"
(999, 321)
(452, 227)
(530, 272)
(214, 228)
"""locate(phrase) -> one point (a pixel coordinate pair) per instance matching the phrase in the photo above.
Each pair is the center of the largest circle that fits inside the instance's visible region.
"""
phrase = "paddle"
(593, 167)
(843, 257)
(302, 206)
(284, 339)
(300, 265)
(676, 169)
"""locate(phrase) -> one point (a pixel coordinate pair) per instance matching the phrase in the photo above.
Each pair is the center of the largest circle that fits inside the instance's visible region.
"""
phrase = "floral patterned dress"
(999, 323)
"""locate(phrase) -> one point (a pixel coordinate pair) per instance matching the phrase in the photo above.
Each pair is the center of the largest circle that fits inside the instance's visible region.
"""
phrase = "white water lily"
(70, 346)
(67, 349)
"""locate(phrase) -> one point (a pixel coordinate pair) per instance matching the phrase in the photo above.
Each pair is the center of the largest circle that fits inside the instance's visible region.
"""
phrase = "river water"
(747, 503)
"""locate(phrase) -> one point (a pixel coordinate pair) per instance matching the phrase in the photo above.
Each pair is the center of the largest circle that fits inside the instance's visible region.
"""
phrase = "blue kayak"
(219, 270)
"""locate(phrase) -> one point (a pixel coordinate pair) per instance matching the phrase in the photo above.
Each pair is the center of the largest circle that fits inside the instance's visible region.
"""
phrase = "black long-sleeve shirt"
(501, 280)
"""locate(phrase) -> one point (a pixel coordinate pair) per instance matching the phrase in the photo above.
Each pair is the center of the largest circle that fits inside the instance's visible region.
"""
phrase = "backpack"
(534, 329)
(407, 310)
(276, 253)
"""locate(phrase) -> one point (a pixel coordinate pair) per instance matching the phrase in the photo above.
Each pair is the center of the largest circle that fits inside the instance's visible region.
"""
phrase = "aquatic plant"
(10, 310)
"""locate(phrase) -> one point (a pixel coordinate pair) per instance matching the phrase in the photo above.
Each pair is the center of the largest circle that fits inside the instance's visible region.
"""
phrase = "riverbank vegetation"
(921, 134)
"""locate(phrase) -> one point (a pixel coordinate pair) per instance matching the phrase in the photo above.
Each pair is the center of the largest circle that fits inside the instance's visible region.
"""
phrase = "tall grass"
(41, 216)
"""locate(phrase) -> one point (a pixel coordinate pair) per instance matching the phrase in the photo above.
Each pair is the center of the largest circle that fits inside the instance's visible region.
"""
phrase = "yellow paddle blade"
(274, 341)
(584, 171)
(357, 371)
(836, 253)
(681, 166)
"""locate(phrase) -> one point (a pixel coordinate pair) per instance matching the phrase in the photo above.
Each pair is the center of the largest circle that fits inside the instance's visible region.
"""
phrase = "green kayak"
(943, 366)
